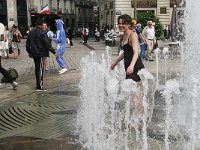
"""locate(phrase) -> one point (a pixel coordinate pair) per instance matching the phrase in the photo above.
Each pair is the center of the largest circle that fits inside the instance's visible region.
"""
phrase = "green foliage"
(145, 16)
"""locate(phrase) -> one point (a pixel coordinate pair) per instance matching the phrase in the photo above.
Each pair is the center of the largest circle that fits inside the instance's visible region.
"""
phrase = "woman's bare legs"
(137, 108)
(15, 52)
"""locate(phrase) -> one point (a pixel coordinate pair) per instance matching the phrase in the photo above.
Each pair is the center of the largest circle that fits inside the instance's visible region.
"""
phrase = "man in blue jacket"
(60, 39)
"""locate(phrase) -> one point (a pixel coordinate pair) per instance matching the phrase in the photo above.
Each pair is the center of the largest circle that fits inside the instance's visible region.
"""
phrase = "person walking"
(36, 46)
(16, 41)
(149, 33)
(97, 35)
(70, 36)
(3, 70)
(5, 43)
(130, 54)
(7, 75)
(45, 58)
(142, 40)
(85, 35)
(60, 40)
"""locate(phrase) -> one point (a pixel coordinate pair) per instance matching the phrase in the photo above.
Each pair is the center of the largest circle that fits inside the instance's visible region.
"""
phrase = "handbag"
(10, 50)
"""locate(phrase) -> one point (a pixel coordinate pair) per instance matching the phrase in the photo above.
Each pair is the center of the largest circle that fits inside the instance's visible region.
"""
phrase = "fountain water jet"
(107, 107)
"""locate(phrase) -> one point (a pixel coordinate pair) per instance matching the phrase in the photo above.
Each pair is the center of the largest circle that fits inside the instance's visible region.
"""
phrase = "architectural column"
(28, 3)
(12, 13)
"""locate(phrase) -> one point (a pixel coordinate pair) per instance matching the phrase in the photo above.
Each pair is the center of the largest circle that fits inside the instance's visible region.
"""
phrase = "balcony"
(54, 10)
(85, 3)
(66, 11)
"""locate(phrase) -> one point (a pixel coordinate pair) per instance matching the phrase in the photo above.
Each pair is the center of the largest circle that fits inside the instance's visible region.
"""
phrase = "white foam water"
(108, 117)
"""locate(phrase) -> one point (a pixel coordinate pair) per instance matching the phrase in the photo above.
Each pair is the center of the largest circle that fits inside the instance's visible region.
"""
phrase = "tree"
(145, 16)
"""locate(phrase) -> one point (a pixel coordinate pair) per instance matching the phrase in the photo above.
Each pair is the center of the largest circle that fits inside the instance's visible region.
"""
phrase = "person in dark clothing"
(132, 61)
(36, 45)
(8, 77)
(70, 36)
(45, 59)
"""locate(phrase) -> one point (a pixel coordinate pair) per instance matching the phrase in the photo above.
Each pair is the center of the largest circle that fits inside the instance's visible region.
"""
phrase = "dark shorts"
(134, 77)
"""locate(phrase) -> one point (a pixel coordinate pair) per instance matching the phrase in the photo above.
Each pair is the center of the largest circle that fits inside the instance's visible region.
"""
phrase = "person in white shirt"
(5, 43)
(149, 33)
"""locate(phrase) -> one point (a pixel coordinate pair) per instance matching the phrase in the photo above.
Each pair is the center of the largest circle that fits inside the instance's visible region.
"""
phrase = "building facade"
(74, 13)
(111, 9)
(85, 13)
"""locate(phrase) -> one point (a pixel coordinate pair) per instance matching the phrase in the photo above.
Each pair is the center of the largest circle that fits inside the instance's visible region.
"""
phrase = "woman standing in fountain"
(130, 46)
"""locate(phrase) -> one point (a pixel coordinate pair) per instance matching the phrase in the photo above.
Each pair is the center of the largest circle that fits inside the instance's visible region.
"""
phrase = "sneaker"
(47, 69)
(41, 90)
(151, 59)
(63, 71)
(15, 85)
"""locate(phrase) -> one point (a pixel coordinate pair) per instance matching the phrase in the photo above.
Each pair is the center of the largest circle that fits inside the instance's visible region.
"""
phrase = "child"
(84, 37)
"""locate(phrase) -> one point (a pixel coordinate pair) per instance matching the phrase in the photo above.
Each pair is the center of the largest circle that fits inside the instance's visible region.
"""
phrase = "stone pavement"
(38, 121)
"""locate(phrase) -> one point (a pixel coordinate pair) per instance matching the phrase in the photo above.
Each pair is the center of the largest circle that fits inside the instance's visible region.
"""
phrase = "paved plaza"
(31, 120)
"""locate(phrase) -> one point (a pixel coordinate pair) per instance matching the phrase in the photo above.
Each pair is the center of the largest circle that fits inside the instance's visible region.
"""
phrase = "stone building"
(111, 9)
(24, 12)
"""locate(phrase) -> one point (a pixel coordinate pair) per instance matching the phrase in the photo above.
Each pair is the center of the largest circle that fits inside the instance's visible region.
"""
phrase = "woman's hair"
(126, 19)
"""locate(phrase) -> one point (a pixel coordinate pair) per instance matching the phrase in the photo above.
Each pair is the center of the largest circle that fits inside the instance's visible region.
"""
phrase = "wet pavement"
(32, 120)
(40, 120)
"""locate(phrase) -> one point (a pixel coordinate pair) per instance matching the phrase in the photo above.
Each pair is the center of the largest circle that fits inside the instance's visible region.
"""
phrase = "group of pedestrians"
(11, 42)
(38, 46)
(146, 38)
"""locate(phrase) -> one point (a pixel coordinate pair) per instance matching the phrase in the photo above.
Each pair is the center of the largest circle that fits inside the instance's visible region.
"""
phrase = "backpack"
(13, 73)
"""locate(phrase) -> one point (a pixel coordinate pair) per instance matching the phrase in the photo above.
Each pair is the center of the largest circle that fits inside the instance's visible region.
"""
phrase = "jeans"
(143, 48)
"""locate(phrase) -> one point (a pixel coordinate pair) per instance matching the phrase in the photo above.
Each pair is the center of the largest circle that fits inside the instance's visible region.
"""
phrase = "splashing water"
(109, 118)
(182, 107)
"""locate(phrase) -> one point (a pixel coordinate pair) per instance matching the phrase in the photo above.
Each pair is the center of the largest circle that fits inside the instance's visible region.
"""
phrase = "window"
(79, 11)
(111, 5)
(58, 4)
(65, 3)
(32, 2)
(106, 7)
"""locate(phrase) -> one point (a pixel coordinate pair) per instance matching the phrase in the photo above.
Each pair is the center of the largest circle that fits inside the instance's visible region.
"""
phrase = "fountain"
(109, 119)
(108, 115)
